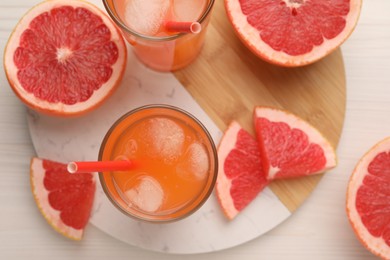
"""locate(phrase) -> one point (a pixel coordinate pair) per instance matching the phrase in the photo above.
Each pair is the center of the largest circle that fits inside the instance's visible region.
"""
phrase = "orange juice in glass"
(143, 25)
(175, 162)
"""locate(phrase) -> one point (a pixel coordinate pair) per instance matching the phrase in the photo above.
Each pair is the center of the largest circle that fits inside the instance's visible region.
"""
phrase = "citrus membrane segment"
(368, 199)
(64, 199)
(290, 147)
(240, 177)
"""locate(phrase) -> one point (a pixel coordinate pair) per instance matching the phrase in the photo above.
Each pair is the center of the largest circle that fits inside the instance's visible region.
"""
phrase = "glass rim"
(127, 29)
(206, 192)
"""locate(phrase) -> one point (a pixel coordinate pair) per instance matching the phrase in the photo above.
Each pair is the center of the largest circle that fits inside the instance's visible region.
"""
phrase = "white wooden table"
(319, 229)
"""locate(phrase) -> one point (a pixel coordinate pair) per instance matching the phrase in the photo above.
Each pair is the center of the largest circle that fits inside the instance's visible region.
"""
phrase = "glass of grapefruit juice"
(142, 23)
(175, 163)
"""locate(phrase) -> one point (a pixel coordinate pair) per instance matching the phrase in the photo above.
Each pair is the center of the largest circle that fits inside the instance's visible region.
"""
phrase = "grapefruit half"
(368, 199)
(240, 175)
(65, 200)
(293, 32)
(64, 57)
(289, 146)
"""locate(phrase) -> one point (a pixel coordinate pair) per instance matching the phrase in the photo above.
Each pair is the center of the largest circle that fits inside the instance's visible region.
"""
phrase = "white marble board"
(67, 139)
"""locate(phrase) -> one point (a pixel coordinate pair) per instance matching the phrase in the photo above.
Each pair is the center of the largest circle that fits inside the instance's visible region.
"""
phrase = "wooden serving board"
(228, 81)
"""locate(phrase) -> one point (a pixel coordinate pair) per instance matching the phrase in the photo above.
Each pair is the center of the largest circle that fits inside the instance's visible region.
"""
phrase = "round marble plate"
(67, 139)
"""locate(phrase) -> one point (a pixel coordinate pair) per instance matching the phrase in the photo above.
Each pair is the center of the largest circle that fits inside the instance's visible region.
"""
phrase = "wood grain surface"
(228, 81)
(318, 230)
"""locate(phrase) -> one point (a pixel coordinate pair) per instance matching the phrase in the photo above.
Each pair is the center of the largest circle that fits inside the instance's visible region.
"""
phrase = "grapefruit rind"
(52, 216)
(61, 109)
(294, 121)
(223, 184)
(374, 244)
(251, 38)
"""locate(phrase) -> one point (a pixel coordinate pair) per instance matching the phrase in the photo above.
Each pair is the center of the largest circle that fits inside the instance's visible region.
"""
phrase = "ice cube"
(147, 196)
(196, 163)
(131, 148)
(127, 150)
(146, 16)
(188, 11)
(165, 138)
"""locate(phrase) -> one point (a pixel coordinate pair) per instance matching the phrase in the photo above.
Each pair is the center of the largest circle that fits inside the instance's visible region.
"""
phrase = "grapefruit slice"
(65, 200)
(293, 32)
(368, 199)
(64, 57)
(290, 147)
(240, 173)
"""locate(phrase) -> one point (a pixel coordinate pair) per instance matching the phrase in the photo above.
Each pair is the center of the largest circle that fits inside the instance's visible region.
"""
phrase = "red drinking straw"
(184, 27)
(99, 166)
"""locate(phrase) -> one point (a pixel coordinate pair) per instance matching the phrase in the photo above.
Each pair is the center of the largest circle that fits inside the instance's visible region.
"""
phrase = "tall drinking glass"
(142, 24)
(175, 163)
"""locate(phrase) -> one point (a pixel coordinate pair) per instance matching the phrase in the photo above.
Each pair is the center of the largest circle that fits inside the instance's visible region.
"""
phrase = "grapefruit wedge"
(368, 199)
(240, 174)
(64, 57)
(290, 147)
(293, 32)
(65, 200)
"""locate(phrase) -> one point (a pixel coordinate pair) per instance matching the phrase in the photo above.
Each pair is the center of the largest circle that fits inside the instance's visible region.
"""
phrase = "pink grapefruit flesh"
(293, 32)
(240, 175)
(290, 147)
(368, 199)
(64, 199)
(64, 57)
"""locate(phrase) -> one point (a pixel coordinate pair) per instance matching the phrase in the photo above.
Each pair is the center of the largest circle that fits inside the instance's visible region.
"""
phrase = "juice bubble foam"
(146, 16)
(195, 163)
(164, 139)
(148, 195)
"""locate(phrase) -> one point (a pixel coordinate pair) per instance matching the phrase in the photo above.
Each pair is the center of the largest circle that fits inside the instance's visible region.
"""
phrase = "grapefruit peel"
(60, 108)
(375, 245)
(41, 197)
(223, 184)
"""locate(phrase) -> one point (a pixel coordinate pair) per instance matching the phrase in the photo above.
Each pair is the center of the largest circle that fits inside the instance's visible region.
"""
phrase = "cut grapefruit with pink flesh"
(64, 57)
(240, 175)
(368, 199)
(290, 146)
(64, 199)
(293, 32)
